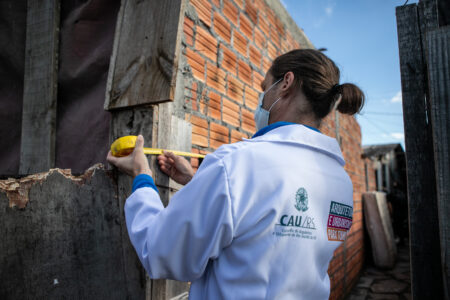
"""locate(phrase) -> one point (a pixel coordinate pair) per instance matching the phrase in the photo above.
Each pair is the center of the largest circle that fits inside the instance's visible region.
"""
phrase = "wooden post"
(172, 133)
(439, 84)
(131, 122)
(37, 149)
(143, 71)
(426, 276)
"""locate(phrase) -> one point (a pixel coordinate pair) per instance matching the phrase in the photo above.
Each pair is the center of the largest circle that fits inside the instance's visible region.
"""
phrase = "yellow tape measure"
(123, 146)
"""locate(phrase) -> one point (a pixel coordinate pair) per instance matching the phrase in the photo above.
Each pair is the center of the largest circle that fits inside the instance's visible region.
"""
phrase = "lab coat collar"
(302, 136)
(268, 128)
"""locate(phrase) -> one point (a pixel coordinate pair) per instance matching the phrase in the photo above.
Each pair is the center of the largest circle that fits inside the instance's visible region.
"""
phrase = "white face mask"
(261, 115)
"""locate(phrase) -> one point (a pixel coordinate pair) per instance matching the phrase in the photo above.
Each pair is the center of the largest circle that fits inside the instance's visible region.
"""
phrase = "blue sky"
(361, 37)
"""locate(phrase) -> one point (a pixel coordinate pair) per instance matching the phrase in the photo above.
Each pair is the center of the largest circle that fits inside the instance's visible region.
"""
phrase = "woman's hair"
(318, 77)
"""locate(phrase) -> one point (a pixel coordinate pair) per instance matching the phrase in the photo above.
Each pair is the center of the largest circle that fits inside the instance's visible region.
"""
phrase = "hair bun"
(352, 99)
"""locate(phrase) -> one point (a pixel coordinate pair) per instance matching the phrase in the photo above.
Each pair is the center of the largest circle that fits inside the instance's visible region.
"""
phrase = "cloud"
(328, 10)
(398, 135)
(397, 97)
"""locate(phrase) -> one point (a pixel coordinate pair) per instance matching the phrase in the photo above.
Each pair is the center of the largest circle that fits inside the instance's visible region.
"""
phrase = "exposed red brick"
(194, 163)
(191, 95)
(206, 44)
(200, 130)
(202, 106)
(231, 119)
(251, 11)
(214, 113)
(280, 27)
(197, 64)
(271, 17)
(244, 72)
(261, 6)
(222, 27)
(215, 143)
(203, 8)
(251, 98)
(255, 56)
(257, 80)
(274, 35)
(230, 113)
(264, 26)
(219, 129)
(218, 135)
(229, 61)
(199, 140)
(231, 12)
(188, 30)
(236, 136)
(235, 89)
(199, 122)
(240, 3)
(246, 26)
(240, 43)
(214, 108)
(248, 123)
(267, 63)
(259, 39)
(216, 3)
(271, 50)
(215, 78)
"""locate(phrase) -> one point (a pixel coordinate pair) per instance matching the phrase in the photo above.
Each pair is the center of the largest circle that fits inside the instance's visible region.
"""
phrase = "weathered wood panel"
(146, 50)
(439, 77)
(426, 278)
(37, 150)
(131, 122)
(379, 226)
(67, 241)
(173, 133)
(160, 129)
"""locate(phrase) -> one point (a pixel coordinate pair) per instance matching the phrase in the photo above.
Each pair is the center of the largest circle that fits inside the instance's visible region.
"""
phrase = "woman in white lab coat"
(261, 218)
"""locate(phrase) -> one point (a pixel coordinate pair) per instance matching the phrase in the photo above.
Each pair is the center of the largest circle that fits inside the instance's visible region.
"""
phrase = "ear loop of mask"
(269, 90)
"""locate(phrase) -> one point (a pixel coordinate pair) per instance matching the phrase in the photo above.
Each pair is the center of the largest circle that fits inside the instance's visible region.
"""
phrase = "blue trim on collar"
(272, 126)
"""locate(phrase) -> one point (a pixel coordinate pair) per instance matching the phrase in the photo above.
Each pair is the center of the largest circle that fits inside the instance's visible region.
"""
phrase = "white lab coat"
(237, 231)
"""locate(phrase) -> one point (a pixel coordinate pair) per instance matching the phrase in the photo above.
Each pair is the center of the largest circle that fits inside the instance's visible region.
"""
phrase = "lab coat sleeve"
(177, 242)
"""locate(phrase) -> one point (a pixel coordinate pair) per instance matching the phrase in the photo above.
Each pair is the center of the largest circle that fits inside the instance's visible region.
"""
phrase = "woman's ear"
(288, 83)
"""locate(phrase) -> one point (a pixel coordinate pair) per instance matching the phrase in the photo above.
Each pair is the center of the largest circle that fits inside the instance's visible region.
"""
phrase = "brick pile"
(228, 45)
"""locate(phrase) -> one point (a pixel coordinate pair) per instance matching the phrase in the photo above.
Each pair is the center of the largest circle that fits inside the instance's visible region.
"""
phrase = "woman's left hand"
(135, 163)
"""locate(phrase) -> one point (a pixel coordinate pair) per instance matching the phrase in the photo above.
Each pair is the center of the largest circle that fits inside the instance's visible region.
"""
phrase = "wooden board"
(377, 222)
(438, 46)
(131, 122)
(37, 150)
(426, 279)
(66, 242)
(145, 55)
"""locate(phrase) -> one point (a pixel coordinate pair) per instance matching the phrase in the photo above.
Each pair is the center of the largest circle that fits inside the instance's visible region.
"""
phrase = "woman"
(261, 218)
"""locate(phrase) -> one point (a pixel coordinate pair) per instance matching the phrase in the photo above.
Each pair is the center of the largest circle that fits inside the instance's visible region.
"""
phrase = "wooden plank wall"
(66, 243)
(438, 46)
(413, 24)
(145, 53)
(37, 150)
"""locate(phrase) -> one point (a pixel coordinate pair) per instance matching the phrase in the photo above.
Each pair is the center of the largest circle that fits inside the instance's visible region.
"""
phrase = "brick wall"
(228, 45)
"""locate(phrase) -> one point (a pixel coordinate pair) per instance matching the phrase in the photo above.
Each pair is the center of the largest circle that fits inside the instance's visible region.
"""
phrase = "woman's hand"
(135, 163)
(177, 167)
